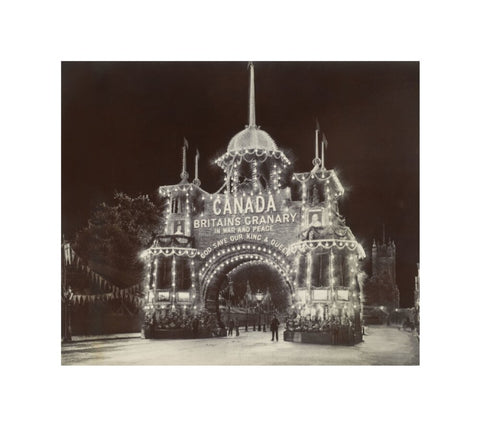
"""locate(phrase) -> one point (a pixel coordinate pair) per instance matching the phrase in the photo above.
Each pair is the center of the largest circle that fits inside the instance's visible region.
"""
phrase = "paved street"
(382, 346)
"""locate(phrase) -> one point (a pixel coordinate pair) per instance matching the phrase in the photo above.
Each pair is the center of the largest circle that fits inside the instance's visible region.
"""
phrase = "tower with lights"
(327, 254)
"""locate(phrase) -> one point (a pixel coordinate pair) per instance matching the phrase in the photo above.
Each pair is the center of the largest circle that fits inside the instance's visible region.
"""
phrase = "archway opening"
(259, 281)
(249, 292)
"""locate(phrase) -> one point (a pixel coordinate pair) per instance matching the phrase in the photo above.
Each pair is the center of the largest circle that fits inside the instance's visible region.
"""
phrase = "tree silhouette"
(116, 235)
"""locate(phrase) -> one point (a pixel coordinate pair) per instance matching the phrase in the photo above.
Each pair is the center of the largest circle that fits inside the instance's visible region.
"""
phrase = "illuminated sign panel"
(266, 219)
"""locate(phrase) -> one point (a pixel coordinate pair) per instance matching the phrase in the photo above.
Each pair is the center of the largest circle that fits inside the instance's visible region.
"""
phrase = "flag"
(317, 124)
(267, 298)
(324, 140)
(248, 293)
(185, 143)
(68, 254)
(197, 155)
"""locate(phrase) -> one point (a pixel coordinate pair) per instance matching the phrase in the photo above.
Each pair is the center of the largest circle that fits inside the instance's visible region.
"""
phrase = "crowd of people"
(297, 322)
(201, 322)
(205, 323)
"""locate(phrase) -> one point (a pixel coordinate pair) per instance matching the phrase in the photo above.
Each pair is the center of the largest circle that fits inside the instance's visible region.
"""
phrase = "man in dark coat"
(231, 325)
(274, 327)
(195, 324)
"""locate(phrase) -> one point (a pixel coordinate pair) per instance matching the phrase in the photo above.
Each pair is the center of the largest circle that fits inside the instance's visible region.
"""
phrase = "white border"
(38, 35)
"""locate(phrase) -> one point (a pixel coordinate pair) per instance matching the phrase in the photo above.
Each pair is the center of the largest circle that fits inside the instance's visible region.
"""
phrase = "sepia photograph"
(240, 213)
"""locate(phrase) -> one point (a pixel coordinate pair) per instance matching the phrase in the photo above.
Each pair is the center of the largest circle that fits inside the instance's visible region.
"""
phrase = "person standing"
(274, 327)
(231, 325)
(195, 325)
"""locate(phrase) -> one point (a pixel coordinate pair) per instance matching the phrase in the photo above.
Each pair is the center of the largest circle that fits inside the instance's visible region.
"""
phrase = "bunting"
(106, 290)
(81, 300)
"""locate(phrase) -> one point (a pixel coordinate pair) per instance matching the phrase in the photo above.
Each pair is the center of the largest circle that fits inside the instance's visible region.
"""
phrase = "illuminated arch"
(225, 260)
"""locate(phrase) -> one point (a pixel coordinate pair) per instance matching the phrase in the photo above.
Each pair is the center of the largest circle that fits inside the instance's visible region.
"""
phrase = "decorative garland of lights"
(353, 266)
(170, 251)
(250, 155)
(276, 178)
(167, 210)
(337, 182)
(154, 283)
(297, 265)
(323, 176)
(251, 259)
(281, 267)
(193, 289)
(240, 247)
(235, 178)
(208, 277)
(304, 246)
(168, 190)
(353, 258)
(255, 175)
(174, 275)
(304, 177)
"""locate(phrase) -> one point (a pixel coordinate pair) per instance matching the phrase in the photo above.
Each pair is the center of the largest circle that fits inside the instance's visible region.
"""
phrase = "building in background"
(381, 292)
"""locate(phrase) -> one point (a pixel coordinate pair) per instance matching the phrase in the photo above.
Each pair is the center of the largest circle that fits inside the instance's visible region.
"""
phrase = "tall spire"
(184, 174)
(196, 181)
(251, 103)
(316, 161)
(324, 145)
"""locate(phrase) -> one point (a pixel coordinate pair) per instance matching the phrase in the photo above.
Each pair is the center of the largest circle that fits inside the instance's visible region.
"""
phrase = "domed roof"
(252, 138)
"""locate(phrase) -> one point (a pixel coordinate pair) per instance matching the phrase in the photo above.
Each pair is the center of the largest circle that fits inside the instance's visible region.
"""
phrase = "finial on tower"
(196, 181)
(324, 145)
(251, 103)
(316, 161)
(184, 174)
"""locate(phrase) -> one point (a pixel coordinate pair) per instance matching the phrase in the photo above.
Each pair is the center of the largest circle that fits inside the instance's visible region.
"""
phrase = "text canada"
(241, 205)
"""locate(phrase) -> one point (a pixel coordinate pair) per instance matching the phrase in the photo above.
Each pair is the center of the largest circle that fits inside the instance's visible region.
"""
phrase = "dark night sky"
(123, 125)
